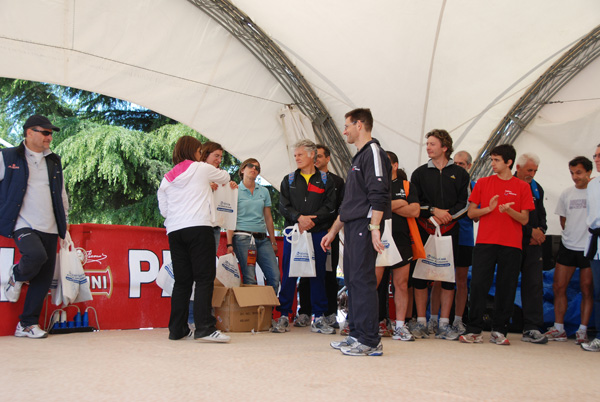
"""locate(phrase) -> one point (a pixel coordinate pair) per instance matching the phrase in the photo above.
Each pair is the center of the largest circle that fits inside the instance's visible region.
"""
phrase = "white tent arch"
(453, 64)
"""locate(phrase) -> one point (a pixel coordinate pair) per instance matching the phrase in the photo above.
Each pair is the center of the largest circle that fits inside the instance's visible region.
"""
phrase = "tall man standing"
(592, 251)
(307, 198)
(33, 211)
(572, 210)
(532, 265)
(367, 203)
(443, 191)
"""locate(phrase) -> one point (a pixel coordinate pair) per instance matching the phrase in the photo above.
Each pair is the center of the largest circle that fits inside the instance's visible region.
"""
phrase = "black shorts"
(464, 256)
(406, 254)
(571, 258)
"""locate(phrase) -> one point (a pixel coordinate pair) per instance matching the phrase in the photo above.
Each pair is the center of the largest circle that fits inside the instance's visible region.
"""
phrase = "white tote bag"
(439, 264)
(56, 295)
(302, 259)
(341, 255)
(228, 271)
(226, 207)
(390, 256)
(72, 276)
(165, 278)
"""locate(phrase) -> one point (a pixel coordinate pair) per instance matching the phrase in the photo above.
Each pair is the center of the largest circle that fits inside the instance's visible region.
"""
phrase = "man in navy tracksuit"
(367, 203)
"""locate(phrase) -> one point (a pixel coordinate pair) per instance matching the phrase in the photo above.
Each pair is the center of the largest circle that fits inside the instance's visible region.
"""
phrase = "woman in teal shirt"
(254, 220)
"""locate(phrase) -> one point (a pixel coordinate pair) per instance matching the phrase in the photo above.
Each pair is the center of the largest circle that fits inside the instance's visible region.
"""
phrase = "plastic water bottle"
(251, 260)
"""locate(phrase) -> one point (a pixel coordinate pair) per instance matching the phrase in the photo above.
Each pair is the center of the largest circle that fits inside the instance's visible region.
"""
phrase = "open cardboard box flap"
(254, 295)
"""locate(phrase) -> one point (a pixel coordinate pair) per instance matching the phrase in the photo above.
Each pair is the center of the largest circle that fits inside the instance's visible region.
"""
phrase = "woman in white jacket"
(184, 199)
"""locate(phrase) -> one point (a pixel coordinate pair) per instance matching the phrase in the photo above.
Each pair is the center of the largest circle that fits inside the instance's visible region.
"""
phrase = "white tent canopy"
(453, 64)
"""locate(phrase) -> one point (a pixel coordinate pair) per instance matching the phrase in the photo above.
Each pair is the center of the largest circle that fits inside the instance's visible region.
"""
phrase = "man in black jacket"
(366, 205)
(532, 287)
(307, 198)
(33, 207)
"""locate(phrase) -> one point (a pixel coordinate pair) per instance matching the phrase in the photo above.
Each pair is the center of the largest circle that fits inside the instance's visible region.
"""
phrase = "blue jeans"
(595, 264)
(318, 296)
(265, 257)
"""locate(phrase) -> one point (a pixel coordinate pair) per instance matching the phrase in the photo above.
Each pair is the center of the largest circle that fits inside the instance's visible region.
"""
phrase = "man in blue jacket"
(33, 211)
(366, 205)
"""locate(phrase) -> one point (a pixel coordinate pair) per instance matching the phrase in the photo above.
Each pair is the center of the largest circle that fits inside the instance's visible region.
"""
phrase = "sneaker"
(358, 349)
(498, 338)
(554, 334)
(581, 337)
(534, 336)
(345, 331)
(303, 320)
(347, 342)
(420, 331)
(593, 346)
(446, 332)
(31, 331)
(403, 334)
(432, 327)
(331, 320)
(459, 328)
(12, 290)
(384, 330)
(471, 338)
(282, 325)
(216, 336)
(320, 326)
(412, 324)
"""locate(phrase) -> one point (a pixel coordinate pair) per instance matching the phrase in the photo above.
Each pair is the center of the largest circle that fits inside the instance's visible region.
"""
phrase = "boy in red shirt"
(501, 203)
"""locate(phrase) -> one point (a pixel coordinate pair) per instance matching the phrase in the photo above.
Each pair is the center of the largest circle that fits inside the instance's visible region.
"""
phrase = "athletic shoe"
(31, 331)
(498, 338)
(593, 346)
(216, 337)
(403, 334)
(12, 290)
(282, 325)
(534, 336)
(412, 324)
(554, 334)
(358, 349)
(303, 320)
(345, 330)
(432, 326)
(420, 331)
(581, 337)
(446, 332)
(459, 328)
(320, 326)
(331, 320)
(471, 338)
(384, 330)
(347, 342)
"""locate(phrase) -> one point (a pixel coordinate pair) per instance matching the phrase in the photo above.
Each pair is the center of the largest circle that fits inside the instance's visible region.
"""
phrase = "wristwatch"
(431, 210)
(373, 227)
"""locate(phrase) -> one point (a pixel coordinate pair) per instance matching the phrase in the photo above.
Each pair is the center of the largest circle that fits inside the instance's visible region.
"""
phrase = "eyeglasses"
(253, 166)
(45, 133)
(595, 156)
(351, 124)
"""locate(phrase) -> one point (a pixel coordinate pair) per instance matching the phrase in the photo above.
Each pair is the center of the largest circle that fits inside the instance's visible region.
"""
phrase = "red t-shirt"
(496, 227)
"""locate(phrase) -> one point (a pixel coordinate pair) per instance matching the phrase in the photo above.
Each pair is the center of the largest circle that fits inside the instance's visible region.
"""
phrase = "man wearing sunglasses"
(33, 211)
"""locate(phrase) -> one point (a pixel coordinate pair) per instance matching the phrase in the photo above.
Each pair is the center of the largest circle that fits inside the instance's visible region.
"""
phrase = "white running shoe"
(216, 336)
(31, 331)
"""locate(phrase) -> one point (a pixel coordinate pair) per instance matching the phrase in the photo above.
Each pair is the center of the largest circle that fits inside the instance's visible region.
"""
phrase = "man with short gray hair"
(307, 198)
(534, 235)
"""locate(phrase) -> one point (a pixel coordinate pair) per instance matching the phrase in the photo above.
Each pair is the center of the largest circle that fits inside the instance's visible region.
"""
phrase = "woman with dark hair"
(184, 199)
(253, 220)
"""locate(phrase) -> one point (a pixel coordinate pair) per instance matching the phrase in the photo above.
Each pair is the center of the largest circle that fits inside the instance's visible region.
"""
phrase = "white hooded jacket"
(185, 198)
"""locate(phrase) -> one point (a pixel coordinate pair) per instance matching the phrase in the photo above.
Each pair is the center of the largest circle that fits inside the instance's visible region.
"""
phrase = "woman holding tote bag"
(184, 199)
(254, 221)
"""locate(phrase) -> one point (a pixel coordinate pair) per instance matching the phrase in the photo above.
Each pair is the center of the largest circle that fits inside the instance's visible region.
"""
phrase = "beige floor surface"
(144, 365)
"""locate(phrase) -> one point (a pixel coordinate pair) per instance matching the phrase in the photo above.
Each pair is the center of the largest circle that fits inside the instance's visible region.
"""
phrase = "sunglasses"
(45, 133)
(253, 166)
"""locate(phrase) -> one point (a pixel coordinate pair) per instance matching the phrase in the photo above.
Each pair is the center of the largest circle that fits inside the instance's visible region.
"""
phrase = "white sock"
(582, 328)
(433, 317)
(399, 324)
(457, 319)
(444, 322)
(560, 327)
(422, 320)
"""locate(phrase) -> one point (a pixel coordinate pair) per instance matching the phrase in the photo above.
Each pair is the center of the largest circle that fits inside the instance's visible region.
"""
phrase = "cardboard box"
(244, 308)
